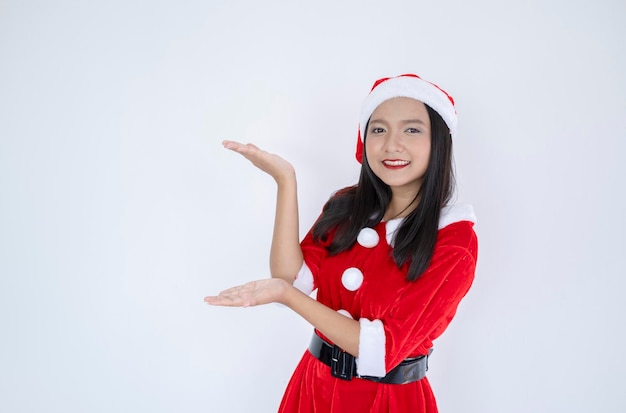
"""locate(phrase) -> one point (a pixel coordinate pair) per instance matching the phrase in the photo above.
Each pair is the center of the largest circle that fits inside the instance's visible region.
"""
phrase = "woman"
(389, 257)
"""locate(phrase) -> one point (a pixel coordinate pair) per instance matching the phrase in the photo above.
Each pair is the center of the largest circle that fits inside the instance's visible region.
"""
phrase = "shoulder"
(456, 227)
(451, 214)
(348, 191)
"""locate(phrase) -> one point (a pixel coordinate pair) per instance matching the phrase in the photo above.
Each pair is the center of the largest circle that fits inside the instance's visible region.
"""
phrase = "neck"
(400, 207)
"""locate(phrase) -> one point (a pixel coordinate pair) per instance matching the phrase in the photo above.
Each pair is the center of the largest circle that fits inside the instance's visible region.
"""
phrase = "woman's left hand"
(259, 292)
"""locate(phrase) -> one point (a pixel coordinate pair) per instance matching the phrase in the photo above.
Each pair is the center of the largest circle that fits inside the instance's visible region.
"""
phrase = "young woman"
(390, 258)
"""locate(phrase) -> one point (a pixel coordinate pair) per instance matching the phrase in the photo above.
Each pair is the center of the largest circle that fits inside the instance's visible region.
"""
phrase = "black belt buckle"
(342, 364)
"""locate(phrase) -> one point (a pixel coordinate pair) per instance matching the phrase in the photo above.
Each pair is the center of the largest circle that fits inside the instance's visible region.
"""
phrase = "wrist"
(286, 178)
(289, 295)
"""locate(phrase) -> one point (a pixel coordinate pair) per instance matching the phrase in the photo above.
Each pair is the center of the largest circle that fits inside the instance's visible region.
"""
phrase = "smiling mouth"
(395, 163)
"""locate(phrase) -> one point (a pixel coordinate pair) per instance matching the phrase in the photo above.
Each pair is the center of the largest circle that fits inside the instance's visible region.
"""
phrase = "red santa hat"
(409, 86)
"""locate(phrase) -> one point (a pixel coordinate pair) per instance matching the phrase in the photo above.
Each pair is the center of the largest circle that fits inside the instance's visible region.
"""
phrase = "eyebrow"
(407, 121)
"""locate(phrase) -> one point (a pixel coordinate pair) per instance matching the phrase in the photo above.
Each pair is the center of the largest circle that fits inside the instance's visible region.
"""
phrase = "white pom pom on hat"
(409, 86)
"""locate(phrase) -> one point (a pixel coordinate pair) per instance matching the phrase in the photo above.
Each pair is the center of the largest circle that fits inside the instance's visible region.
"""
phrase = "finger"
(250, 152)
(238, 145)
(225, 301)
(238, 290)
(248, 148)
(230, 144)
(235, 146)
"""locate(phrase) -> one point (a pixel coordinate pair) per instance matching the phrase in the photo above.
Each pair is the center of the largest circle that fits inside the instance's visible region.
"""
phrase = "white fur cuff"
(304, 280)
(371, 360)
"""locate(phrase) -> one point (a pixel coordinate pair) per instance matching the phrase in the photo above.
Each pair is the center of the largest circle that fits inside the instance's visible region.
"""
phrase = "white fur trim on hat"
(371, 360)
(409, 87)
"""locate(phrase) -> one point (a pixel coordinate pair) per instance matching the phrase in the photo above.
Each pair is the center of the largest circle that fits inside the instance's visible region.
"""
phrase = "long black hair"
(351, 209)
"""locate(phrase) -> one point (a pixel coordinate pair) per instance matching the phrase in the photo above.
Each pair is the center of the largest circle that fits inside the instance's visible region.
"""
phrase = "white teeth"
(396, 163)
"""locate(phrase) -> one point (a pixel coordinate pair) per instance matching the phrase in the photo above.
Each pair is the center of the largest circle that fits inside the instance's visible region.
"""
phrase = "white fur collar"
(449, 215)
(456, 213)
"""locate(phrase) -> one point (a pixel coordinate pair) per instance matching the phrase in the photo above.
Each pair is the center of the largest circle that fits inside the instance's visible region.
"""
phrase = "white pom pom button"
(368, 237)
(352, 279)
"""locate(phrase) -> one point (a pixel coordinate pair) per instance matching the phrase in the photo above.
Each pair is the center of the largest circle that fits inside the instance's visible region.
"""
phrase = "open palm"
(253, 293)
(270, 163)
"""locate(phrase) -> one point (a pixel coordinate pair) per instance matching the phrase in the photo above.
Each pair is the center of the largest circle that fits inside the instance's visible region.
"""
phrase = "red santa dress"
(398, 318)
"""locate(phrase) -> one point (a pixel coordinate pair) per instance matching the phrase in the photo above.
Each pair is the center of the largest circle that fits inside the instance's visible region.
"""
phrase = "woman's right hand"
(274, 165)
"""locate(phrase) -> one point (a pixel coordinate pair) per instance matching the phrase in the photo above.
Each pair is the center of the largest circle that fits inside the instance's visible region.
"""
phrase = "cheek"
(427, 150)
(370, 147)
(422, 148)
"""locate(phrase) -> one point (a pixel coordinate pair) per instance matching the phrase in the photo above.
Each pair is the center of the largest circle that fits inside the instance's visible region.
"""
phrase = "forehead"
(400, 107)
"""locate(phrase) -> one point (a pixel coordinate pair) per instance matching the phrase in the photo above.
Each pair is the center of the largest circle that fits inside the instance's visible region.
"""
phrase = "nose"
(394, 142)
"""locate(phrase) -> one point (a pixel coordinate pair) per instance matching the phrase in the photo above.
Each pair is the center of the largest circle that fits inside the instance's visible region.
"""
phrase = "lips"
(395, 163)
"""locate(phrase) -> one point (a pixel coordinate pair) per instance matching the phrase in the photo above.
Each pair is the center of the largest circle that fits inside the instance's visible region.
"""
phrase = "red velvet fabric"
(413, 314)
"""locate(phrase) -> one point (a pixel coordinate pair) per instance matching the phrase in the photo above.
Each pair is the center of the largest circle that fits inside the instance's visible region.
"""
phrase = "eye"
(377, 130)
(413, 130)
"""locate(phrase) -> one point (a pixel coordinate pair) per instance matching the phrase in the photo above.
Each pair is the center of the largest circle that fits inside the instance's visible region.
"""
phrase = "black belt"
(343, 366)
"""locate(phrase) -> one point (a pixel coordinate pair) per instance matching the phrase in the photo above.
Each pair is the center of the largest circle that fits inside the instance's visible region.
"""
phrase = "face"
(397, 143)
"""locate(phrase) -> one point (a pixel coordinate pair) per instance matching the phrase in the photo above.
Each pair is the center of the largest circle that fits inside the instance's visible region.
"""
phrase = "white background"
(120, 210)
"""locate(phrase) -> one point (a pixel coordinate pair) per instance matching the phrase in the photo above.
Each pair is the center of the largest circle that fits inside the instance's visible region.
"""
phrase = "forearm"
(286, 254)
(343, 331)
